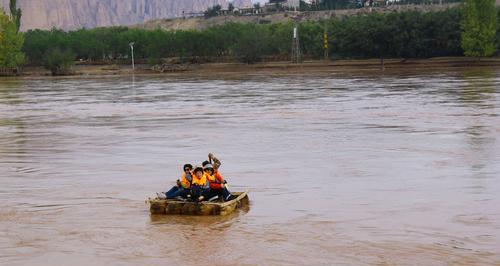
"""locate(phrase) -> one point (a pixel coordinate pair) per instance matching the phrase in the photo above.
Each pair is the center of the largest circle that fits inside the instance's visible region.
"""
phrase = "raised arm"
(215, 162)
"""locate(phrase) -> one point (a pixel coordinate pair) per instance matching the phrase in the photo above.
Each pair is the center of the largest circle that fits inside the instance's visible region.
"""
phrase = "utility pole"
(132, 48)
(296, 56)
(295, 44)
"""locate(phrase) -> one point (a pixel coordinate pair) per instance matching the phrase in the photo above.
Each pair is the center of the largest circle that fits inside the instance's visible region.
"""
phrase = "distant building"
(285, 3)
(249, 11)
(292, 3)
(192, 14)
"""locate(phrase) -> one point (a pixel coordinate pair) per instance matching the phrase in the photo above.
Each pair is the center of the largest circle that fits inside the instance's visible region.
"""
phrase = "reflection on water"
(343, 169)
(477, 92)
(479, 85)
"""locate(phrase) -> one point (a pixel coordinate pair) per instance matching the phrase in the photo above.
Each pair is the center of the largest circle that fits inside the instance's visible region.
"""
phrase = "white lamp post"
(132, 48)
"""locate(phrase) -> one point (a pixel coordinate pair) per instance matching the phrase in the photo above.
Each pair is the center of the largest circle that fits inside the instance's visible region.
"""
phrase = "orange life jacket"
(210, 178)
(215, 180)
(185, 183)
(218, 176)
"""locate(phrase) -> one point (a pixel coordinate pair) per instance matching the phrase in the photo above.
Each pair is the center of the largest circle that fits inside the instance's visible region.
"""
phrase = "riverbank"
(280, 68)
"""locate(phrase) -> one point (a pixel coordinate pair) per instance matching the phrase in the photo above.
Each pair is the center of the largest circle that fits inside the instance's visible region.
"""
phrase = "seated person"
(183, 185)
(200, 188)
(218, 186)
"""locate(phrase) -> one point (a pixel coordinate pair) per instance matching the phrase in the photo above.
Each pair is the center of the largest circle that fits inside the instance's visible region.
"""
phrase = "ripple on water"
(342, 169)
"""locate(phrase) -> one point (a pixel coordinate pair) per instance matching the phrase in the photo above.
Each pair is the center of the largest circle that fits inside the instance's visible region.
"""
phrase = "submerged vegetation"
(406, 34)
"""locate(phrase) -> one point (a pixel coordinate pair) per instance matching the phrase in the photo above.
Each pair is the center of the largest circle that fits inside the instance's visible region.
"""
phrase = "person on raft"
(204, 183)
(218, 186)
(200, 187)
(182, 189)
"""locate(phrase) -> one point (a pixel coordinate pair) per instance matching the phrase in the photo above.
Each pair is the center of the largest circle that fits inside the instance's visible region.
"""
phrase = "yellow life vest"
(200, 181)
(209, 177)
(185, 183)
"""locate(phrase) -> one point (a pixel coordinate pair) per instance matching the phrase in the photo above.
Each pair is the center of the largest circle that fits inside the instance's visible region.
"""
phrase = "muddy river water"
(343, 169)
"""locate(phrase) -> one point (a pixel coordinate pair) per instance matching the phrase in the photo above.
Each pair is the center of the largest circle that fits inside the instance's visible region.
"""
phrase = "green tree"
(213, 11)
(252, 45)
(479, 26)
(11, 43)
(59, 62)
(498, 29)
(15, 13)
(311, 38)
(280, 39)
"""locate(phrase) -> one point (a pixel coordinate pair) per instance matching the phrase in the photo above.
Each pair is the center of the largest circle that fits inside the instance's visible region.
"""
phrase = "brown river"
(343, 169)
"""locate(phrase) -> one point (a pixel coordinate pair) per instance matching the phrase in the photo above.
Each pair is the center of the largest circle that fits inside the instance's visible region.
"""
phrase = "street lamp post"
(132, 48)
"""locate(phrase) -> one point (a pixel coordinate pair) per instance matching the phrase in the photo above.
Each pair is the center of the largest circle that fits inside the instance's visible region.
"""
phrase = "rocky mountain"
(74, 14)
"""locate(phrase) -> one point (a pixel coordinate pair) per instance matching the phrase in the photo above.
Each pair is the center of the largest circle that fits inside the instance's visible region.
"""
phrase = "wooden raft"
(169, 207)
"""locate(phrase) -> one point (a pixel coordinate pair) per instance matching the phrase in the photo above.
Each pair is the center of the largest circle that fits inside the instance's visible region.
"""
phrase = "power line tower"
(296, 54)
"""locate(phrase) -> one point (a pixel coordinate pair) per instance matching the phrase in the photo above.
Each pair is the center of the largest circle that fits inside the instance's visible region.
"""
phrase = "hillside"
(74, 14)
(201, 23)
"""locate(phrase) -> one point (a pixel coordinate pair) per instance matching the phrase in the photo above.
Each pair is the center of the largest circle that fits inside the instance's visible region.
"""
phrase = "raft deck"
(180, 207)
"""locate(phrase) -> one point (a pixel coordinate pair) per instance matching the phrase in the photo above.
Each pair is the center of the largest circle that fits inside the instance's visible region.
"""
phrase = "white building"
(292, 3)
(285, 3)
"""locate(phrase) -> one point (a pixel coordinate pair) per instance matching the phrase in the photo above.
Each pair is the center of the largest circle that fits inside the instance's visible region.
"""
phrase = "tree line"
(408, 34)
(399, 34)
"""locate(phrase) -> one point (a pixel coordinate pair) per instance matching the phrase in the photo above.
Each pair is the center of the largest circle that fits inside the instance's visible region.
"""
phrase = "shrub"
(59, 62)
